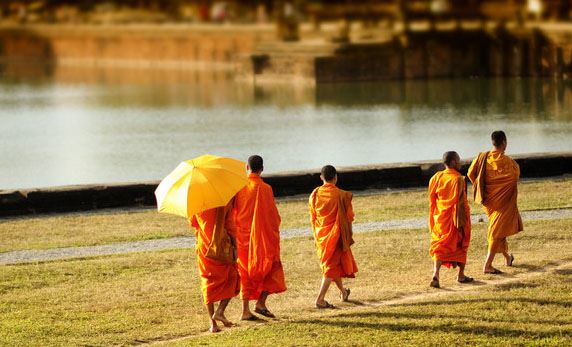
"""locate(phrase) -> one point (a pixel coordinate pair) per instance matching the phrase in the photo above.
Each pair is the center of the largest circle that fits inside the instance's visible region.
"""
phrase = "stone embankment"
(402, 175)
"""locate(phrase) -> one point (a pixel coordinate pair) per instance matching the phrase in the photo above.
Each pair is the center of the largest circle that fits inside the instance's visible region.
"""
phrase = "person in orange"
(216, 259)
(332, 215)
(495, 177)
(257, 224)
(449, 219)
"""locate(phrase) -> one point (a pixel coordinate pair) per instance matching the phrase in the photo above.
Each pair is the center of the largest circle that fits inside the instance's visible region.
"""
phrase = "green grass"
(531, 313)
(86, 229)
(155, 296)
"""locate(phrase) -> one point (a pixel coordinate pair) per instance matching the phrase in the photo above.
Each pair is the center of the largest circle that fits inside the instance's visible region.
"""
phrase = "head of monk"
(452, 160)
(329, 174)
(255, 164)
(498, 138)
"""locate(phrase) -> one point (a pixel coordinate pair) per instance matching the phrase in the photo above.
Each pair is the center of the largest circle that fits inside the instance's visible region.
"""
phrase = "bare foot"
(492, 271)
(249, 317)
(214, 328)
(221, 318)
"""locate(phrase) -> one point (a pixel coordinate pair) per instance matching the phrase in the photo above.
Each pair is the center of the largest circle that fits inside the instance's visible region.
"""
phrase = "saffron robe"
(216, 255)
(331, 217)
(257, 223)
(449, 218)
(495, 177)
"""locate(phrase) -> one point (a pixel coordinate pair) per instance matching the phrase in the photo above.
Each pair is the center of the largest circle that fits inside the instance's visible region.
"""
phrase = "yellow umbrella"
(200, 184)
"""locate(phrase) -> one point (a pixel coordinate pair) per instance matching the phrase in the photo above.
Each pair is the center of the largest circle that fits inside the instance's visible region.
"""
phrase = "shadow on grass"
(500, 301)
(430, 323)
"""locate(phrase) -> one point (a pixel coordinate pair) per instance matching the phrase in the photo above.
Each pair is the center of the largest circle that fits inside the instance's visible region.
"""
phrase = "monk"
(216, 259)
(257, 224)
(331, 217)
(495, 176)
(449, 219)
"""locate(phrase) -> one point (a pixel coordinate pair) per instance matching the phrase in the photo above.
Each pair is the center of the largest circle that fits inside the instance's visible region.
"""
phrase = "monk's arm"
(273, 206)
(473, 172)
(432, 202)
(349, 208)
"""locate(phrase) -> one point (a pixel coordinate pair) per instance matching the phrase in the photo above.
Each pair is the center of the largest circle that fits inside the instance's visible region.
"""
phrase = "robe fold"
(216, 254)
(257, 223)
(331, 217)
(449, 218)
(500, 193)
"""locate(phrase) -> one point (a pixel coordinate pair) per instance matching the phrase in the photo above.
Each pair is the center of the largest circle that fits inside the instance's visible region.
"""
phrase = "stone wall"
(153, 45)
(90, 197)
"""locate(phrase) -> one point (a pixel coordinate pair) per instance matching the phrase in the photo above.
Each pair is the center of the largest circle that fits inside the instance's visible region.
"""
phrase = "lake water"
(79, 126)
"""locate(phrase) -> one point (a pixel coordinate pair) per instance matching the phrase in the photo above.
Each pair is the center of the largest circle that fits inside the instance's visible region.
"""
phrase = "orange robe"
(219, 277)
(332, 230)
(257, 224)
(449, 218)
(495, 177)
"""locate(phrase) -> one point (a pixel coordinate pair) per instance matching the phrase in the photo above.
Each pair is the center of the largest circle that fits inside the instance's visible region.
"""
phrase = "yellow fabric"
(449, 218)
(200, 184)
(500, 203)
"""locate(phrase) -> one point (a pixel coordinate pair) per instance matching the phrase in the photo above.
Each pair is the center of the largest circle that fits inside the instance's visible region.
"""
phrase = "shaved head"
(451, 159)
(498, 138)
(255, 163)
(328, 173)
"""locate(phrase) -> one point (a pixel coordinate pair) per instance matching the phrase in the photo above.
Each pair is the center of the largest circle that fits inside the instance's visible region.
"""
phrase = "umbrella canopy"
(200, 184)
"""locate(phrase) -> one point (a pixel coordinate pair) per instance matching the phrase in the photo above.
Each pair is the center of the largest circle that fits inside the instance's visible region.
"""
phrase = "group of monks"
(494, 176)
(238, 245)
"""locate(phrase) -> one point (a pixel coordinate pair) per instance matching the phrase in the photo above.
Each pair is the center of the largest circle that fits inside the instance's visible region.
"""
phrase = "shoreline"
(356, 178)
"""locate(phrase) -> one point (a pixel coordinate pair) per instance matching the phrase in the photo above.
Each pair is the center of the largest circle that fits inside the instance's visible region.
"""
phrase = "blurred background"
(121, 91)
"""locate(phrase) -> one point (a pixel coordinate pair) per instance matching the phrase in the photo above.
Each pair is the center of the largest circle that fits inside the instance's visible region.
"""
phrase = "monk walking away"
(216, 259)
(449, 219)
(257, 224)
(332, 215)
(495, 177)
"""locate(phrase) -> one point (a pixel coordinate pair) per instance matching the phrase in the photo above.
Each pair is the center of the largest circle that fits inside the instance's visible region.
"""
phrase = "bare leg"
(436, 268)
(489, 263)
(219, 314)
(461, 274)
(246, 314)
(344, 293)
(323, 290)
(214, 327)
(261, 303)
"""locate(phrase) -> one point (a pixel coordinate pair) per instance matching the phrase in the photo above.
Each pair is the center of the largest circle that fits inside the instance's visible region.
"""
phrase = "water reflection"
(88, 125)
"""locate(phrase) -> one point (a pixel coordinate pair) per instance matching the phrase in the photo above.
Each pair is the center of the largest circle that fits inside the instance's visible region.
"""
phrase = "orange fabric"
(258, 240)
(500, 205)
(219, 280)
(449, 218)
(324, 211)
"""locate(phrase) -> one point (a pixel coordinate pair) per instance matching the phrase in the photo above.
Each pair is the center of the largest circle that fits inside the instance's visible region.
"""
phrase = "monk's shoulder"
(314, 193)
(266, 188)
(345, 193)
(436, 176)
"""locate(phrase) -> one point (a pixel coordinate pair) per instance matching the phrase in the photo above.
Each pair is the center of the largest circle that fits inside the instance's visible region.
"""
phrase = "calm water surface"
(92, 127)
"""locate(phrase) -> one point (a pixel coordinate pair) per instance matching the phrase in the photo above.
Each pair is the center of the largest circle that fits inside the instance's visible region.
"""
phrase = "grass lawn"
(95, 228)
(154, 296)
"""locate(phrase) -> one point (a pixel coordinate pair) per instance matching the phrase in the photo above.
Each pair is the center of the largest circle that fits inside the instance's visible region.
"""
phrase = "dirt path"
(31, 256)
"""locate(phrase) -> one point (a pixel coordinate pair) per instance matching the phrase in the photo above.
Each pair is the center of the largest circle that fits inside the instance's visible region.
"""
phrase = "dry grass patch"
(86, 229)
(148, 296)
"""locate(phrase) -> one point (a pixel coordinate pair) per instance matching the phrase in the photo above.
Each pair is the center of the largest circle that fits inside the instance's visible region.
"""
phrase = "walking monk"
(449, 219)
(331, 217)
(258, 242)
(495, 177)
(216, 259)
